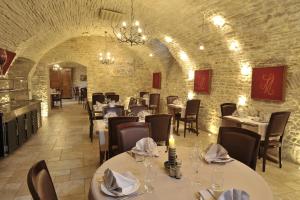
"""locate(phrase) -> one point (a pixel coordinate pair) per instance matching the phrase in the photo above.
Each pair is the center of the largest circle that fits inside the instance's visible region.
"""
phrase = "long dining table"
(235, 175)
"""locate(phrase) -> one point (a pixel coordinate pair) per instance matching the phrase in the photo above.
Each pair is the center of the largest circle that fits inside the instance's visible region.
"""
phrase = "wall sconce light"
(218, 21)
(234, 45)
(191, 75)
(191, 95)
(150, 55)
(242, 100)
(168, 39)
(183, 56)
(245, 69)
(201, 47)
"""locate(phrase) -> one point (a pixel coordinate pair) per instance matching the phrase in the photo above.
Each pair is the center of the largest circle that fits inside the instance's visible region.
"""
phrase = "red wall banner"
(156, 81)
(268, 83)
(6, 58)
(202, 81)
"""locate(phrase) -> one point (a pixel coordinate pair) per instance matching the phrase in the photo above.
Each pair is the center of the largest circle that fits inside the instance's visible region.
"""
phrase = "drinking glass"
(217, 180)
(149, 176)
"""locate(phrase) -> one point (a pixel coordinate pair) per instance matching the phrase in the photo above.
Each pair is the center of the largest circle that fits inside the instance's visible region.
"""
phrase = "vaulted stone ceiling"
(32, 27)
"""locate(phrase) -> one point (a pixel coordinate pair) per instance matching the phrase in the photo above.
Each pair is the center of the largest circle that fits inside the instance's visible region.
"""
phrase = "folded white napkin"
(109, 115)
(234, 194)
(146, 147)
(99, 106)
(143, 114)
(117, 183)
(215, 153)
(112, 104)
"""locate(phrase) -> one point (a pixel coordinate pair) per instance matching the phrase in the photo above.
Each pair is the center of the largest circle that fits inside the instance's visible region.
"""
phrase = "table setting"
(215, 181)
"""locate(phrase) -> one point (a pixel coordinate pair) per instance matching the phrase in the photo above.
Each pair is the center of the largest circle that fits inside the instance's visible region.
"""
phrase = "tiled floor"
(72, 159)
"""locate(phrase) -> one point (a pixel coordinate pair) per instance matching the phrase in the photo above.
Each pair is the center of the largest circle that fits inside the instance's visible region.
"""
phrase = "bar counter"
(18, 121)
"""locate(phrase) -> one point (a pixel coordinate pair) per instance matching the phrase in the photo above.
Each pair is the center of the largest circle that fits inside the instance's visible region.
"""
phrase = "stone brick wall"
(131, 72)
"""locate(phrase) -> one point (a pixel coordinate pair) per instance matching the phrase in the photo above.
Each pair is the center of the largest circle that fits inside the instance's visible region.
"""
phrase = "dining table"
(235, 175)
(247, 122)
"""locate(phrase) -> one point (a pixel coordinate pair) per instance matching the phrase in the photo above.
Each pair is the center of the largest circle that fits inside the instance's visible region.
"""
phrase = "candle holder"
(172, 156)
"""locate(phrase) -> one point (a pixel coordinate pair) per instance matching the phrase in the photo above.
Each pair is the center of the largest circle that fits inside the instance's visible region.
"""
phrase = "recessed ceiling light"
(168, 39)
(150, 54)
(201, 47)
(218, 21)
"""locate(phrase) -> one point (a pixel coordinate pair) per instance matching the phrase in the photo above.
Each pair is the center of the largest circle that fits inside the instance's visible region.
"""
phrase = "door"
(67, 82)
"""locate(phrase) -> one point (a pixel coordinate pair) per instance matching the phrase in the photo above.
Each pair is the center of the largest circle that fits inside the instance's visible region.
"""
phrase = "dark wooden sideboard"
(18, 121)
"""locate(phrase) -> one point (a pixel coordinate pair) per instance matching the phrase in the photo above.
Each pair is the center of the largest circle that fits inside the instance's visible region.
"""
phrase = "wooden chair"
(160, 127)
(109, 93)
(241, 144)
(132, 102)
(143, 93)
(170, 99)
(131, 132)
(83, 96)
(227, 109)
(274, 136)
(154, 103)
(92, 117)
(113, 97)
(98, 97)
(191, 115)
(76, 92)
(113, 122)
(40, 183)
(57, 98)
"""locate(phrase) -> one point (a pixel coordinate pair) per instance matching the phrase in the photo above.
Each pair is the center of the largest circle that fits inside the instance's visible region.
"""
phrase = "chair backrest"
(160, 127)
(113, 97)
(83, 92)
(109, 93)
(277, 125)
(227, 108)
(132, 102)
(170, 99)
(154, 99)
(89, 111)
(112, 130)
(143, 93)
(134, 110)
(241, 144)
(40, 183)
(192, 107)
(131, 132)
(98, 97)
(119, 110)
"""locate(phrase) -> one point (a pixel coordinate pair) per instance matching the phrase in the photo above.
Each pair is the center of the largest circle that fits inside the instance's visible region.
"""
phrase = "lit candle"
(171, 142)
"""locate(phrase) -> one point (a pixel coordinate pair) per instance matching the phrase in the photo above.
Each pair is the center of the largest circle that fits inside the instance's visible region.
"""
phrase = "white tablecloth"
(236, 175)
(181, 108)
(248, 123)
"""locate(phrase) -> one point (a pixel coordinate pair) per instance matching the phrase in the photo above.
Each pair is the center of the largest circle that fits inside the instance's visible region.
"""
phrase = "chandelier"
(130, 32)
(106, 57)
(56, 67)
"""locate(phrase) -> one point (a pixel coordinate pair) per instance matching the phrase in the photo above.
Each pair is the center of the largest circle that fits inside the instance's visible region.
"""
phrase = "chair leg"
(197, 131)
(177, 126)
(280, 164)
(102, 156)
(184, 128)
(264, 160)
(91, 133)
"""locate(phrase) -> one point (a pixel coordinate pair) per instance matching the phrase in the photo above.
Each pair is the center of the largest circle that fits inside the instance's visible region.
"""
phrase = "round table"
(235, 174)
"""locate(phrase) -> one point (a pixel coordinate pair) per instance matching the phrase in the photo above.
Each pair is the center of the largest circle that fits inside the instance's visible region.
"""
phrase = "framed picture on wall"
(156, 81)
(268, 83)
(6, 58)
(202, 81)
(83, 77)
